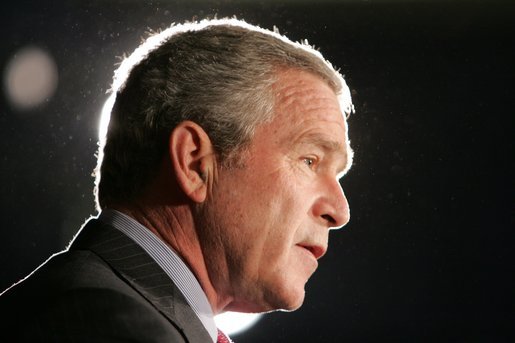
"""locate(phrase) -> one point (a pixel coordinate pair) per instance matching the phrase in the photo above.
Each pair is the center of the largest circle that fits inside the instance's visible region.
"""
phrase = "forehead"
(304, 100)
(297, 88)
(307, 111)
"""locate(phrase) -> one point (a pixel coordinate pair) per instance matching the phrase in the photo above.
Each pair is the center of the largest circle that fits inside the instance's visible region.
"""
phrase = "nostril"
(330, 219)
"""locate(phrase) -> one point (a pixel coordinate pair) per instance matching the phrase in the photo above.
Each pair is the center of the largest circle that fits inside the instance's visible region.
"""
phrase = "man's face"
(266, 223)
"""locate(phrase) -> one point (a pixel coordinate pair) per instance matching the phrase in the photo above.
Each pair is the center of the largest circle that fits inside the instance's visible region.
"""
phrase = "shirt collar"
(169, 261)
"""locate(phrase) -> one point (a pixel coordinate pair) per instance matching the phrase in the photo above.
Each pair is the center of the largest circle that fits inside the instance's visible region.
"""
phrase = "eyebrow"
(331, 146)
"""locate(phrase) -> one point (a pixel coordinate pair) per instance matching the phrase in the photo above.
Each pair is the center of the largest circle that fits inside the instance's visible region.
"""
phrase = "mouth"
(316, 250)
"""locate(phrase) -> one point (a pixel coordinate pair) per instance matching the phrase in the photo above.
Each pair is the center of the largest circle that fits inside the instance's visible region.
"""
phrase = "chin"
(286, 299)
(289, 306)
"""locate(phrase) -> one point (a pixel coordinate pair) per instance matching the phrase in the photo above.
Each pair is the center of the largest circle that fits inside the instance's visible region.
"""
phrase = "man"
(217, 186)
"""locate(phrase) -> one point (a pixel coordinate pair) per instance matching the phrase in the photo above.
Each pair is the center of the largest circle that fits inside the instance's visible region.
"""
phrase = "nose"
(332, 207)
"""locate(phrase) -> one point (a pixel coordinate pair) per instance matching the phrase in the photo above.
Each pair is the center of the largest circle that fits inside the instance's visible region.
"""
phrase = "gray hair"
(216, 73)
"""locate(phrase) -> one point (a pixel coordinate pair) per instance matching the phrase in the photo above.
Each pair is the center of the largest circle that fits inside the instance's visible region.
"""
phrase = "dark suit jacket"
(105, 288)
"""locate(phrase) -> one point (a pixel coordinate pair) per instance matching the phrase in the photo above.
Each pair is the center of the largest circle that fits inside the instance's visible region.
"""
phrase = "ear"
(193, 159)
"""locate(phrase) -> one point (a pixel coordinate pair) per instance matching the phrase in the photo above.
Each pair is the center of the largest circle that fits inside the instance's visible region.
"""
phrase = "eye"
(309, 161)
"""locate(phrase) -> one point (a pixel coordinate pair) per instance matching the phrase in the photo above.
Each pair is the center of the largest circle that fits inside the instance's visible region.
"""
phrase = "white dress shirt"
(169, 261)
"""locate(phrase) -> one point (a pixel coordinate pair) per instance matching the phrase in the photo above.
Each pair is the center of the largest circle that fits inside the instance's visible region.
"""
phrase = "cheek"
(294, 200)
(262, 214)
(285, 214)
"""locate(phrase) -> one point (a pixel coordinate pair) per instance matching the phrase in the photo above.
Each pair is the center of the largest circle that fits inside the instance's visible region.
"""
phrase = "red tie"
(222, 338)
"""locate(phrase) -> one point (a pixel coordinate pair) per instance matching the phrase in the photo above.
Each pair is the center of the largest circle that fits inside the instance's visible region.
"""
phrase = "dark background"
(426, 255)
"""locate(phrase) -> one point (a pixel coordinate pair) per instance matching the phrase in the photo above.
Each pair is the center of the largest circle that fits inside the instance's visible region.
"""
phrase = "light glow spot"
(234, 322)
(30, 78)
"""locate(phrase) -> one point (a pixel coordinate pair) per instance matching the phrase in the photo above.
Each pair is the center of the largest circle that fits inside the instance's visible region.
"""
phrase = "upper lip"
(317, 250)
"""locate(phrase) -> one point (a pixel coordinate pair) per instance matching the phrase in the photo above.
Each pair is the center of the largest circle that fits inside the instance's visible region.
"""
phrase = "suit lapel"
(139, 270)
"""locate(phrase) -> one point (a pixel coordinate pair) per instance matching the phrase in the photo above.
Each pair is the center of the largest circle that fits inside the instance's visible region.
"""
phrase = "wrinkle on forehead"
(300, 91)
(303, 93)
(304, 101)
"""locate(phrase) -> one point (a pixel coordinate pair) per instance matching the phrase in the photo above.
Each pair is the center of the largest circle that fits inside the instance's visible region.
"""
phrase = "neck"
(175, 226)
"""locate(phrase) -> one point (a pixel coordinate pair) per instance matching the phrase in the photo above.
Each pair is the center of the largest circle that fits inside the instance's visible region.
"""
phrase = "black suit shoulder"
(77, 297)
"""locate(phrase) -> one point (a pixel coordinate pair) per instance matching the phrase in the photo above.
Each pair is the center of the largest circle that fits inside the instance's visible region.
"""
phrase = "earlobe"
(192, 156)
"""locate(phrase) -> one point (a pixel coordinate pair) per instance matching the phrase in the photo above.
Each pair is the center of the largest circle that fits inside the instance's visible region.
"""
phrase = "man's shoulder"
(65, 271)
(104, 285)
(77, 292)
(71, 272)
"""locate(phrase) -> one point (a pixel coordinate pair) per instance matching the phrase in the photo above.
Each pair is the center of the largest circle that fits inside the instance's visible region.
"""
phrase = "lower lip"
(310, 255)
